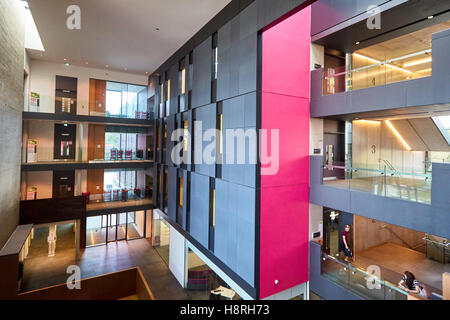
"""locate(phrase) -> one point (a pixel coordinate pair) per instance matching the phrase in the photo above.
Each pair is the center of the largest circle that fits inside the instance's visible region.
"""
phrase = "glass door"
(112, 228)
(122, 226)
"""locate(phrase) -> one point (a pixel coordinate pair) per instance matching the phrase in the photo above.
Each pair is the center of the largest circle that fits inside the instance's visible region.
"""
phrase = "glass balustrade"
(411, 186)
(368, 72)
(361, 282)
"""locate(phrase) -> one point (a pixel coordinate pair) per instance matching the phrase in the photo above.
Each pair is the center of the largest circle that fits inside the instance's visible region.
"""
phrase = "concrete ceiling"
(119, 33)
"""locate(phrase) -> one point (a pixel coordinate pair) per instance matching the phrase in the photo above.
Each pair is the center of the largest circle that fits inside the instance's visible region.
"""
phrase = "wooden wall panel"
(96, 141)
(95, 181)
(369, 233)
(97, 96)
(446, 285)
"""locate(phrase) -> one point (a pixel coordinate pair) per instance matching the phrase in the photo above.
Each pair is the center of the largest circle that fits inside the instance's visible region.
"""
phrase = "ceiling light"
(381, 62)
(397, 134)
(417, 62)
(368, 121)
(357, 42)
(430, 17)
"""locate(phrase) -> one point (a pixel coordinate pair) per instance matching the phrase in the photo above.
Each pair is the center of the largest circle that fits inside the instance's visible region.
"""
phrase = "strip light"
(417, 62)
(368, 121)
(398, 135)
(381, 62)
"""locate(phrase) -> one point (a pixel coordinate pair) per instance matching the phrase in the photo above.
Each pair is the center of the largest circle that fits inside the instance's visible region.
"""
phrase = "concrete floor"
(410, 189)
(42, 271)
(395, 259)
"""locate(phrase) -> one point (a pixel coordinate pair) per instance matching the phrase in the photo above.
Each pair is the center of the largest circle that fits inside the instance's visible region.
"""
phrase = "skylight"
(443, 123)
(32, 38)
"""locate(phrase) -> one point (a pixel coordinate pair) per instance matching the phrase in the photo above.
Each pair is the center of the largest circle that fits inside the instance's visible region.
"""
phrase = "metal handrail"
(428, 176)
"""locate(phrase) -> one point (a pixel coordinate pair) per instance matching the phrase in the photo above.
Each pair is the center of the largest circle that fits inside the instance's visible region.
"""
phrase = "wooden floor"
(394, 187)
(395, 259)
(93, 206)
(42, 271)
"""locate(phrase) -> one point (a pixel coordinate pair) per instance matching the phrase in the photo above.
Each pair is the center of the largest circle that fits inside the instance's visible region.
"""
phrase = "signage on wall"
(32, 193)
(32, 150)
(35, 101)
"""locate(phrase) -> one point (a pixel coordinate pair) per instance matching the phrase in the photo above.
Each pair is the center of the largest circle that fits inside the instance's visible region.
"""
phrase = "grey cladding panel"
(237, 45)
(234, 239)
(199, 213)
(201, 91)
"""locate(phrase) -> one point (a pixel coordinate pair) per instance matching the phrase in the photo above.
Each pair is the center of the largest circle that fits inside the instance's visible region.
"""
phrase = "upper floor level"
(404, 71)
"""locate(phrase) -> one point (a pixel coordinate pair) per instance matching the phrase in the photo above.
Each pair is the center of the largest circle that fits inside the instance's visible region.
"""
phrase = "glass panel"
(161, 236)
(126, 100)
(386, 182)
(122, 226)
(359, 281)
(112, 227)
(136, 222)
(95, 230)
(204, 284)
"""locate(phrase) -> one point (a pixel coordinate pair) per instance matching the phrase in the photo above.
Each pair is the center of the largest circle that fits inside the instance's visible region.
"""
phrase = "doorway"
(65, 141)
(104, 229)
(63, 184)
(334, 224)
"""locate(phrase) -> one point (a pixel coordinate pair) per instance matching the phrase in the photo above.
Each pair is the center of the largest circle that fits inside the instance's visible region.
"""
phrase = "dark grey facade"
(233, 239)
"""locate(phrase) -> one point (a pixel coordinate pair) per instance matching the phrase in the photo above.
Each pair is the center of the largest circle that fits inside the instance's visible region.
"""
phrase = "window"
(125, 100)
(212, 213)
(182, 76)
(185, 136)
(215, 56)
(119, 179)
(180, 188)
(125, 143)
(443, 123)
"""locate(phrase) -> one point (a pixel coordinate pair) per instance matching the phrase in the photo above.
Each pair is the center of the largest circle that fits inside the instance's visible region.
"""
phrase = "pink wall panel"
(286, 56)
(285, 195)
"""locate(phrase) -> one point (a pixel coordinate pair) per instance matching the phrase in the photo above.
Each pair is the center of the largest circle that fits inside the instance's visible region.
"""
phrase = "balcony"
(419, 201)
(410, 186)
(410, 71)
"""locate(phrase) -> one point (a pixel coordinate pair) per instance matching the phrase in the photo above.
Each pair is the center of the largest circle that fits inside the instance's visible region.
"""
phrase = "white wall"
(43, 180)
(315, 221)
(43, 133)
(177, 255)
(43, 78)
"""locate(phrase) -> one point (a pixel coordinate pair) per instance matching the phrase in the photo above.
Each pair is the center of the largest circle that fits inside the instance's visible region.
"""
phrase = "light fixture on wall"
(398, 135)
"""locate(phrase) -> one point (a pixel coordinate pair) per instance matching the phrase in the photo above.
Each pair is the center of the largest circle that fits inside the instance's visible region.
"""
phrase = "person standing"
(345, 243)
